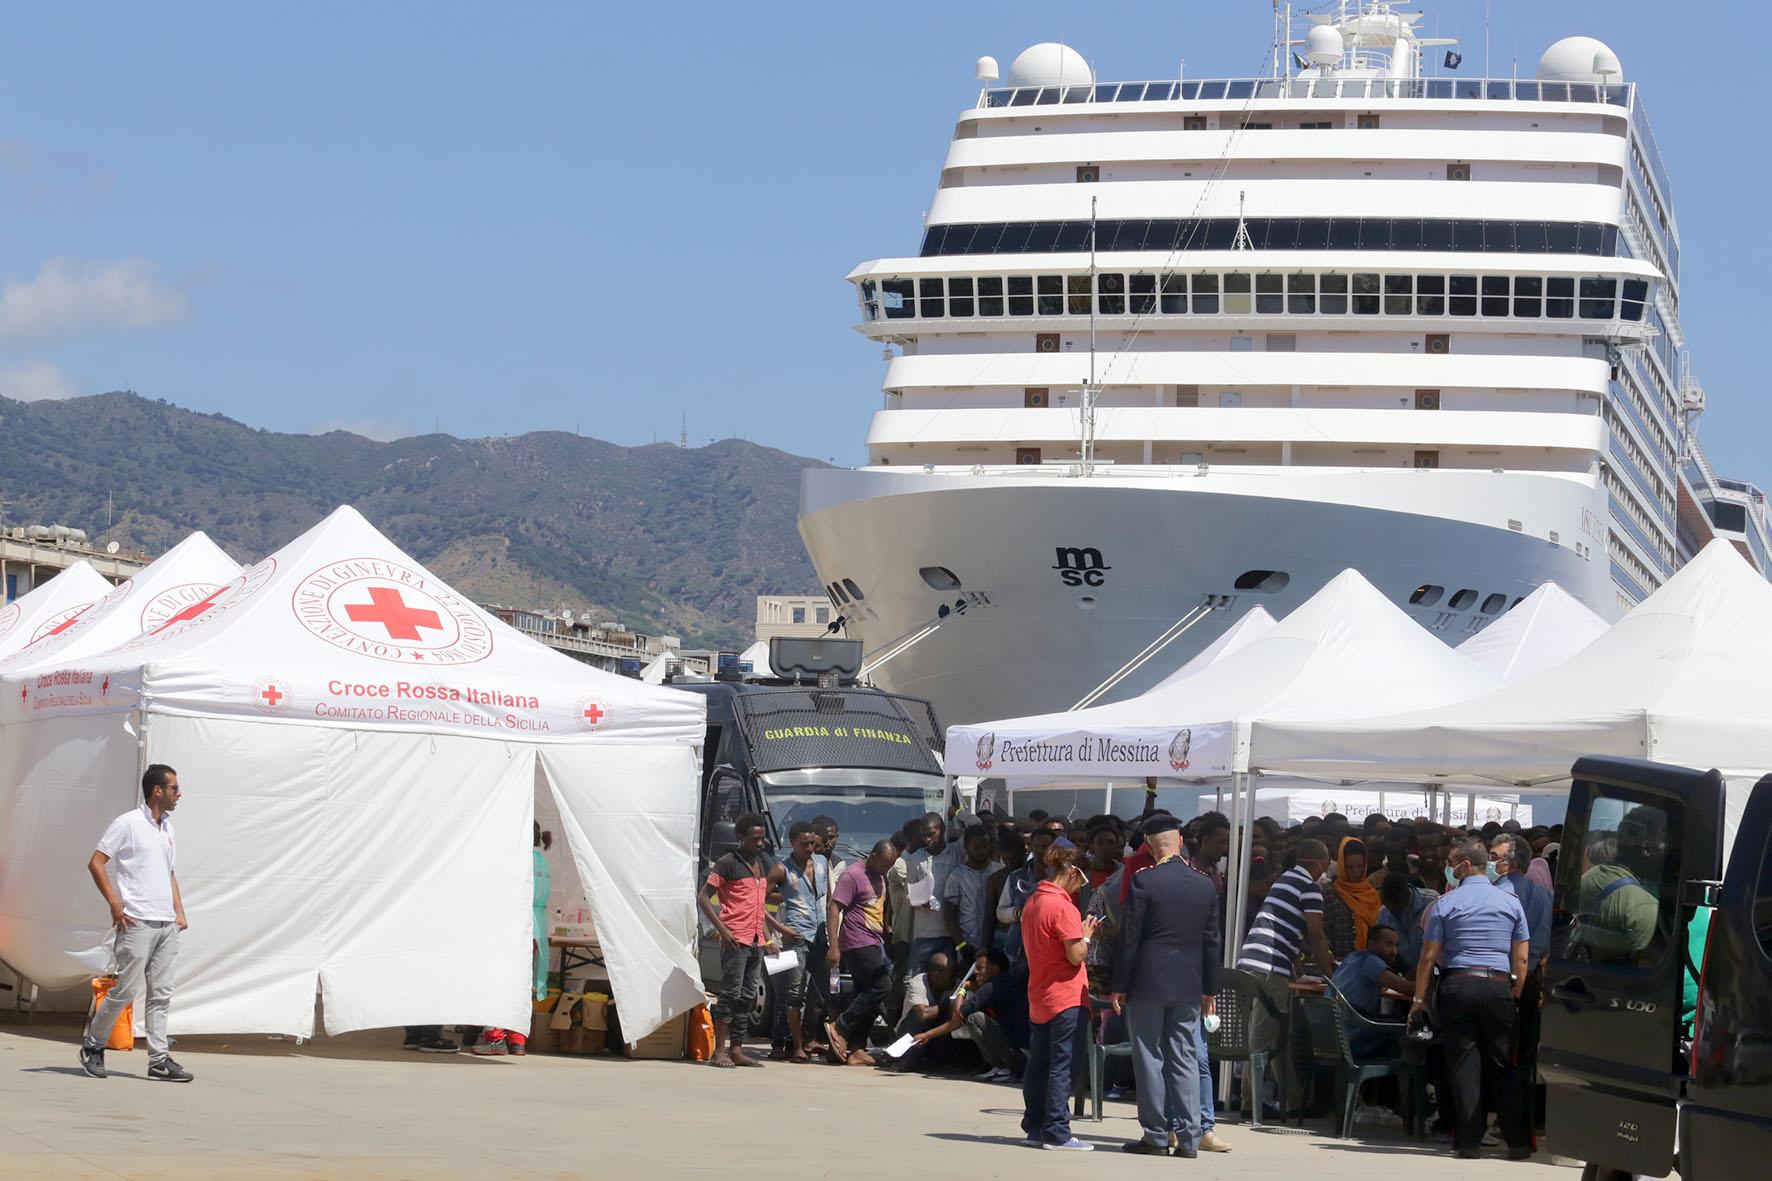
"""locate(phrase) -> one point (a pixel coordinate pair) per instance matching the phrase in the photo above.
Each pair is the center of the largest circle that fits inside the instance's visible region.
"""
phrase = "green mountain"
(660, 537)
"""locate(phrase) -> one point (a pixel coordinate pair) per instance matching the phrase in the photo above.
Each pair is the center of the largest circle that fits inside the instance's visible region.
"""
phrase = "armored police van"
(1657, 1037)
(803, 740)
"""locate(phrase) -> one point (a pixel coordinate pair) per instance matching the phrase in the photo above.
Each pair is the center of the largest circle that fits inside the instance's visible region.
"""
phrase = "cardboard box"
(578, 1040)
(666, 1041)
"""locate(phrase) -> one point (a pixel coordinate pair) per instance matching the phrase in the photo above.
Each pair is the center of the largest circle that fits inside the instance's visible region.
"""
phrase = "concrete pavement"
(359, 1106)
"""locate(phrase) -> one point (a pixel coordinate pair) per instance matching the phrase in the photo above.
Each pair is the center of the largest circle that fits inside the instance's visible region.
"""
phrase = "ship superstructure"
(1169, 348)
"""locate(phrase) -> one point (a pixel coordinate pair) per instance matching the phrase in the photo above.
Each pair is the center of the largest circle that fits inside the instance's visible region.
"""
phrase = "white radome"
(1323, 45)
(1050, 64)
(1580, 59)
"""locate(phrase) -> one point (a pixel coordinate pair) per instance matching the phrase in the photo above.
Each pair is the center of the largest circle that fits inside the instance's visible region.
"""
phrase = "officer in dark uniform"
(1478, 935)
(1165, 974)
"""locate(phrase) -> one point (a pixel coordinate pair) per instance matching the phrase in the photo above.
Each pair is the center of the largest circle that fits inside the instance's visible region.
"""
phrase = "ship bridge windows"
(1272, 293)
(1473, 235)
(1462, 600)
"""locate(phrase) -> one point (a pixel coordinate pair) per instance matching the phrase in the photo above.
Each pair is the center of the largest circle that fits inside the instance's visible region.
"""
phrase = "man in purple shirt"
(857, 914)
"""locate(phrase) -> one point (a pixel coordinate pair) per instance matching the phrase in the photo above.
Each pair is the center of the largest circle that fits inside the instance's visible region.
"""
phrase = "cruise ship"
(1169, 349)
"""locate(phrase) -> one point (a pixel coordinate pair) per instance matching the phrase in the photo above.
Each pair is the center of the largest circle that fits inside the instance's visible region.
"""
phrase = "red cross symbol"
(594, 713)
(194, 610)
(387, 608)
(65, 624)
(271, 696)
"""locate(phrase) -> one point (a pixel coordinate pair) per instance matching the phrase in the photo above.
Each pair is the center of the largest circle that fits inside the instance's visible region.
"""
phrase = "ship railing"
(1241, 89)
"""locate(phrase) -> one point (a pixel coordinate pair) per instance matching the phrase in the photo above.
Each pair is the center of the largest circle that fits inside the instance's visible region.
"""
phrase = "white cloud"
(40, 382)
(69, 296)
(381, 430)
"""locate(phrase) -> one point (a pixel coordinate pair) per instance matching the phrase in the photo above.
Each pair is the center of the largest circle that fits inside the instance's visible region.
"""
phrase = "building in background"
(606, 645)
(799, 616)
(30, 555)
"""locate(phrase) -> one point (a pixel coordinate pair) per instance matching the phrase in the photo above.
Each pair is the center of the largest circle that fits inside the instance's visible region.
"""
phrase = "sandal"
(799, 1057)
(722, 1063)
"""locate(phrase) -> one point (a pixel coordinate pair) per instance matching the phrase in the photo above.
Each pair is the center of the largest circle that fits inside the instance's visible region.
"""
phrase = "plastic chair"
(1100, 1051)
(1238, 994)
(1355, 1071)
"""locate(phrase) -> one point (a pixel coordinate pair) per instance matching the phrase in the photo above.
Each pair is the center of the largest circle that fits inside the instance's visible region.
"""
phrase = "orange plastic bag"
(701, 1034)
(123, 1033)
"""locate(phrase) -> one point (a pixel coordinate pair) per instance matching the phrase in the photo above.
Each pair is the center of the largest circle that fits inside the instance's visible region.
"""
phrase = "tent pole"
(1234, 924)
(1234, 877)
(1470, 810)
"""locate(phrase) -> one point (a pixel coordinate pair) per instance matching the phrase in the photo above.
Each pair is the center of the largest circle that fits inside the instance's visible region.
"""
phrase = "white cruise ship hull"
(1035, 637)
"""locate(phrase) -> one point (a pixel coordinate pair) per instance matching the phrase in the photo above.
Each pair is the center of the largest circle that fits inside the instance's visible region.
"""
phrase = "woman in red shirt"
(1055, 938)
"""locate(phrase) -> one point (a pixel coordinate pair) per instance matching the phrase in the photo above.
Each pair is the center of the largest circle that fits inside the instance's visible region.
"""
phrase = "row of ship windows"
(1499, 89)
(1274, 233)
(1461, 600)
(1557, 297)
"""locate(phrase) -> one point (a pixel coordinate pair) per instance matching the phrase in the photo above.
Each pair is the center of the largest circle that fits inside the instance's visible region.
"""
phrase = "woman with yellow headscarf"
(1353, 905)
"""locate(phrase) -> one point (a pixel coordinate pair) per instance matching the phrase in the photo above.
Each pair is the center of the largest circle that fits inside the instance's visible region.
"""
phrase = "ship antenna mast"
(1242, 241)
(1089, 390)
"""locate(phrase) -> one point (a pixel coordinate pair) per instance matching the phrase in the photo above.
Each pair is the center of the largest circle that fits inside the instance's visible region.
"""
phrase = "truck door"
(1635, 834)
(1727, 1122)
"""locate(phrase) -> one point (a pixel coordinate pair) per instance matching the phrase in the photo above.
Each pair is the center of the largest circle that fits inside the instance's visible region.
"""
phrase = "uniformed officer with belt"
(1478, 936)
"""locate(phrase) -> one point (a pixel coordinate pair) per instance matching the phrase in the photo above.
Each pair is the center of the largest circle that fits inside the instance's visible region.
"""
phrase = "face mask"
(1490, 872)
(1451, 876)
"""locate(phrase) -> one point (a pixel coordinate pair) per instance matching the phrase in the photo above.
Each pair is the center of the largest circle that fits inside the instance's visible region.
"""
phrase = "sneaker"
(1211, 1143)
(517, 1045)
(489, 1048)
(438, 1045)
(997, 1074)
(92, 1061)
(168, 1071)
(1491, 1139)
(1071, 1145)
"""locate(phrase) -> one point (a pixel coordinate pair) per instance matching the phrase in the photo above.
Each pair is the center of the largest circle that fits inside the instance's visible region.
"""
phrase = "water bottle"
(836, 981)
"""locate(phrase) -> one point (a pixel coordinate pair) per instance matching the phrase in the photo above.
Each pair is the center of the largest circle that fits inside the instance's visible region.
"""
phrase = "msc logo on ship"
(1081, 565)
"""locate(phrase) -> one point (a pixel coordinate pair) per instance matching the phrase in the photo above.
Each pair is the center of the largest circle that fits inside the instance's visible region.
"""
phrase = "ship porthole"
(1086, 603)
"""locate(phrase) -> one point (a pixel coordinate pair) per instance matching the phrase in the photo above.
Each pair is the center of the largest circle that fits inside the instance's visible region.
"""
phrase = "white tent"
(1255, 623)
(50, 608)
(1346, 652)
(1684, 677)
(1542, 630)
(1293, 802)
(757, 656)
(359, 747)
(176, 586)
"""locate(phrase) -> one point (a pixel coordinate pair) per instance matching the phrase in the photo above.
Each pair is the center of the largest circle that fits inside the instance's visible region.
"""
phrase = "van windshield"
(867, 805)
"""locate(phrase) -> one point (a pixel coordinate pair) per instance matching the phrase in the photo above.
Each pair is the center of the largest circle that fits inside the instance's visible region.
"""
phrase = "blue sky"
(492, 219)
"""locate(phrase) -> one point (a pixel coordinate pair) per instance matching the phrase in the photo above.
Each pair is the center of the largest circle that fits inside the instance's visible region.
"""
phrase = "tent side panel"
(250, 859)
(66, 778)
(428, 881)
(629, 814)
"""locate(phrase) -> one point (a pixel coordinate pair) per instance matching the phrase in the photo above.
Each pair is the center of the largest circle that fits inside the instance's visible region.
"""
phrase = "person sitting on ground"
(993, 1009)
(928, 999)
(965, 908)
(856, 905)
(1361, 979)
(1353, 904)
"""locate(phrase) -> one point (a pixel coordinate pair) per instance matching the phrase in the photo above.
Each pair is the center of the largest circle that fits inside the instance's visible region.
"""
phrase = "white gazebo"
(360, 748)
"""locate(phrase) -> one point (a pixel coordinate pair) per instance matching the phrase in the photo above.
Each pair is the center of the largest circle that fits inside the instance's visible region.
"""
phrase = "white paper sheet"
(781, 961)
(901, 1047)
(921, 891)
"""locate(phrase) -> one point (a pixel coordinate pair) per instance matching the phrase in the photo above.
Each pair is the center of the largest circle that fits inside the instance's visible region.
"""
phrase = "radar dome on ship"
(1323, 45)
(1050, 64)
(1580, 59)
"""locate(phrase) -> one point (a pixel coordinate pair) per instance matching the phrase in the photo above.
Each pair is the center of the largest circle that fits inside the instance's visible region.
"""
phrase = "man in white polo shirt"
(148, 915)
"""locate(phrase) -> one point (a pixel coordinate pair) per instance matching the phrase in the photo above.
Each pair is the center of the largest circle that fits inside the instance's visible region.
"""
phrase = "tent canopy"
(1542, 630)
(360, 748)
(1684, 677)
(176, 586)
(1255, 623)
(54, 605)
(1345, 652)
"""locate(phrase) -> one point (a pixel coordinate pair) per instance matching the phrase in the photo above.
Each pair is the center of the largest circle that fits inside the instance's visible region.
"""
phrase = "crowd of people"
(999, 947)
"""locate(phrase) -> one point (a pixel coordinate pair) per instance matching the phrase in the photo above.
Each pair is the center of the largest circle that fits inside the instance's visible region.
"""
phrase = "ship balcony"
(1258, 90)
(1262, 436)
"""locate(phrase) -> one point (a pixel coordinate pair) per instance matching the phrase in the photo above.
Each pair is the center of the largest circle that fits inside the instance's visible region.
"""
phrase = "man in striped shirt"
(1290, 920)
